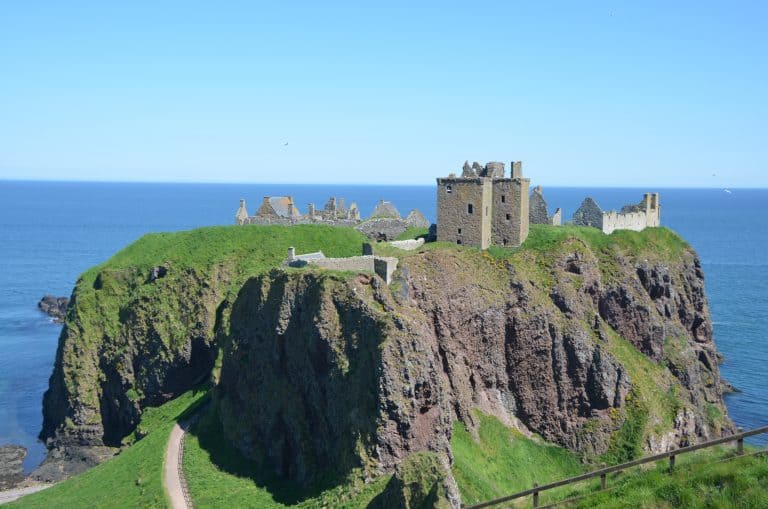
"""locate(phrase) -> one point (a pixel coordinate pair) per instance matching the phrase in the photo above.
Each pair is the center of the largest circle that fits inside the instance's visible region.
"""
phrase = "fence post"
(602, 481)
(535, 495)
(740, 441)
(671, 462)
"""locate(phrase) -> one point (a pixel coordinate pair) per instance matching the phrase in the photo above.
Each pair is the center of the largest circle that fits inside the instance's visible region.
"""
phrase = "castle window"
(504, 241)
(508, 217)
(458, 241)
(470, 208)
(486, 210)
(449, 189)
(503, 199)
(459, 231)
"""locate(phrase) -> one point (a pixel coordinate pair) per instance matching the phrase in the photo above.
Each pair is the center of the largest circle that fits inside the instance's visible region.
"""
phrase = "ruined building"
(483, 207)
(538, 213)
(646, 214)
(385, 223)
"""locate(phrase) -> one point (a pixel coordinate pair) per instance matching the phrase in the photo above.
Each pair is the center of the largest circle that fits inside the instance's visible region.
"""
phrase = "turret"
(241, 216)
(517, 169)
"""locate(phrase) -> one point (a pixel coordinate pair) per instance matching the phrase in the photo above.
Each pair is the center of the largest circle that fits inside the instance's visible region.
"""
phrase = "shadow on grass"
(210, 434)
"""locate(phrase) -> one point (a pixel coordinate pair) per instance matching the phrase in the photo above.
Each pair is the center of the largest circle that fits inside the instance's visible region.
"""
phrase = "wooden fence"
(603, 473)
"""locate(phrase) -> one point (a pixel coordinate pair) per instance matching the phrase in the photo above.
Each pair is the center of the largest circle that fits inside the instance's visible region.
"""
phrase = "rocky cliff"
(602, 344)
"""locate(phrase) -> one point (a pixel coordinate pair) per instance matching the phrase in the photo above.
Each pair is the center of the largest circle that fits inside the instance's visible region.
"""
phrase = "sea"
(51, 232)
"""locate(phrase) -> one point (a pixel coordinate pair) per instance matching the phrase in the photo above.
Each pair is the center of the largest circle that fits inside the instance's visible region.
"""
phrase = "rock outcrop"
(55, 307)
(324, 374)
(112, 362)
(367, 377)
(11, 465)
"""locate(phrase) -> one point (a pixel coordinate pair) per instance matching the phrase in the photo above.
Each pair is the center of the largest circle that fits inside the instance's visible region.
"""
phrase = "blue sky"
(585, 93)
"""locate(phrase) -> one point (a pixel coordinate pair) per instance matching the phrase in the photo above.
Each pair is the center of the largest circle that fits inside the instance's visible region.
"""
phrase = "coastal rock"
(324, 374)
(367, 377)
(55, 307)
(11, 465)
(162, 344)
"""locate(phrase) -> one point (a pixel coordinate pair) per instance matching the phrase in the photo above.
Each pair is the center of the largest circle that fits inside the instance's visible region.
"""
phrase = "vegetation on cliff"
(599, 344)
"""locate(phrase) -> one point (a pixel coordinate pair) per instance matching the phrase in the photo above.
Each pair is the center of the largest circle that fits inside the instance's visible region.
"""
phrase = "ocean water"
(50, 232)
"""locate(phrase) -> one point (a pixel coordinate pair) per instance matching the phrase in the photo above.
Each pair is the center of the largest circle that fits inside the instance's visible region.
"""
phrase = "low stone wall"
(408, 245)
(353, 263)
(382, 266)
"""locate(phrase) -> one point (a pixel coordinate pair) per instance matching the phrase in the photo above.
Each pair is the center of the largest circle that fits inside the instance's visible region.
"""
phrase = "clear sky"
(585, 93)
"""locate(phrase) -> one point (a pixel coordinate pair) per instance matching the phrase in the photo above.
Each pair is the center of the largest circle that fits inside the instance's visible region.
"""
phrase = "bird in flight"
(285, 144)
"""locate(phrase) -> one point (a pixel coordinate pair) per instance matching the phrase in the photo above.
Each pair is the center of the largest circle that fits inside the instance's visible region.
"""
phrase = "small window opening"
(509, 217)
(470, 208)
(504, 241)
(503, 199)
(458, 241)
(449, 189)
(486, 210)
(459, 231)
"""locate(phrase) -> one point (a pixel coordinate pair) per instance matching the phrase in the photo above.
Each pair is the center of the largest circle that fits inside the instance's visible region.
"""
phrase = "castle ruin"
(385, 223)
(483, 207)
(646, 214)
(538, 212)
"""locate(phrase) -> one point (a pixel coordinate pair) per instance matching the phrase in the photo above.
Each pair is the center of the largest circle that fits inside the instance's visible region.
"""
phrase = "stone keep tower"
(483, 207)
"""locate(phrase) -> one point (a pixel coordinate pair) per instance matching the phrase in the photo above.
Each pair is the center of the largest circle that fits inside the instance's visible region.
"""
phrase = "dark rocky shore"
(11, 465)
(55, 307)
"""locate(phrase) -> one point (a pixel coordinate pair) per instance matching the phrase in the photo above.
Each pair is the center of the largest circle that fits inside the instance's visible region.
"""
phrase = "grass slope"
(706, 481)
(131, 479)
(219, 476)
(503, 461)
(253, 248)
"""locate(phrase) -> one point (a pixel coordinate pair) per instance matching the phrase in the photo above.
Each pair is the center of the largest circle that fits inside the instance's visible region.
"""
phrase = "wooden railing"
(603, 472)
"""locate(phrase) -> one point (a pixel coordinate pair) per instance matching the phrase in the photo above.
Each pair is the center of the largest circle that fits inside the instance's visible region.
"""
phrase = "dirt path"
(173, 475)
(11, 495)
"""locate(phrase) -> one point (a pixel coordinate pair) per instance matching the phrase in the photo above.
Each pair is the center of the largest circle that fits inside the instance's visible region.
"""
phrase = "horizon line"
(375, 184)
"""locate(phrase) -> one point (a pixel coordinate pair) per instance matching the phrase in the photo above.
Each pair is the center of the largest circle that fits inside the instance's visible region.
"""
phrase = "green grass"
(254, 248)
(131, 479)
(702, 482)
(545, 238)
(413, 232)
(219, 476)
(503, 461)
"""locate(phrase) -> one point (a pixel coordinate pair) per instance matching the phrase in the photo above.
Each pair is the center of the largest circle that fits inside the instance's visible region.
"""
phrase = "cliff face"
(600, 344)
(324, 371)
(113, 360)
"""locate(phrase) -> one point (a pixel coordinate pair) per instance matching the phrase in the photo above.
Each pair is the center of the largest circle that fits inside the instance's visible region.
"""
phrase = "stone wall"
(455, 223)
(384, 267)
(408, 245)
(537, 212)
(589, 214)
(645, 214)
(510, 212)
(557, 218)
(382, 228)
(617, 221)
